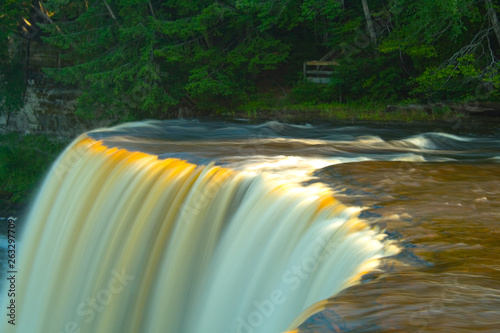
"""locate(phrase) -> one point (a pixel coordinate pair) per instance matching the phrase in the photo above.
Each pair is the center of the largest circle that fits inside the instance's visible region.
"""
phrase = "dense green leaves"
(12, 13)
(140, 58)
(450, 46)
(144, 56)
(23, 161)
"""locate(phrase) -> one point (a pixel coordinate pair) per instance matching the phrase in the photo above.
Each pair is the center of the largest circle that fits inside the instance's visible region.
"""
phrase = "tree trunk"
(494, 19)
(151, 8)
(111, 13)
(369, 24)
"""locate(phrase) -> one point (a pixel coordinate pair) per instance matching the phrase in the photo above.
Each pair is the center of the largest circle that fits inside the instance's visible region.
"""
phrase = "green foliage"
(11, 68)
(11, 12)
(443, 83)
(443, 45)
(316, 9)
(428, 22)
(372, 79)
(23, 162)
(309, 93)
(12, 86)
(142, 58)
(492, 81)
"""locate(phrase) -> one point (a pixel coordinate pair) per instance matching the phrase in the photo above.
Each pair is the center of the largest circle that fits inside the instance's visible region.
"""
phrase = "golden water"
(121, 241)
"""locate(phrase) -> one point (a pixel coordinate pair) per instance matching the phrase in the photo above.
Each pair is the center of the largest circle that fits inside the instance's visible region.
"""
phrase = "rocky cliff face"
(49, 111)
(48, 108)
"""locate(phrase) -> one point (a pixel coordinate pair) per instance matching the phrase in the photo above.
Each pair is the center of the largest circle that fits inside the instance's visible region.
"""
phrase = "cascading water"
(124, 241)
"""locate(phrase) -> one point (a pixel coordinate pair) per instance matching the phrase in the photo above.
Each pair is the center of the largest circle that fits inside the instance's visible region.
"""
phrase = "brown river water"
(447, 279)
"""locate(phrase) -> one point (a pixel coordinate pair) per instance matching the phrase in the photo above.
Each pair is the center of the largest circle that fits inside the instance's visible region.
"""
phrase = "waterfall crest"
(121, 241)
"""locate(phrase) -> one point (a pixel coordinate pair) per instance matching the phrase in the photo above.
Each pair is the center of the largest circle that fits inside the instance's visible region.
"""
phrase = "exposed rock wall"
(49, 111)
(48, 108)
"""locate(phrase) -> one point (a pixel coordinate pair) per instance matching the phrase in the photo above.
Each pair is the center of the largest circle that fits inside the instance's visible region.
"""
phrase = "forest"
(141, 58)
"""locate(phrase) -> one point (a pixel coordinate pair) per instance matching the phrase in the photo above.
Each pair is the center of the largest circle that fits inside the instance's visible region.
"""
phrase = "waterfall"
(121, 241)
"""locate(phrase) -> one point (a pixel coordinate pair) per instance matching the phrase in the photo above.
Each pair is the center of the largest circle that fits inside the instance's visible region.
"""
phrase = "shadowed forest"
(140, 58)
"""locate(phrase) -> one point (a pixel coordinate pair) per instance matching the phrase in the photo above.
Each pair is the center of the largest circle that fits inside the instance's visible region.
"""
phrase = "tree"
(493, 18)
(445, 45)
(13, 13)
(142, 56)
(369, 23)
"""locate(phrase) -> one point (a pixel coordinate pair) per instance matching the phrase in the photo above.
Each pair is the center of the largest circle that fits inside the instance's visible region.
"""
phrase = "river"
(434, 193)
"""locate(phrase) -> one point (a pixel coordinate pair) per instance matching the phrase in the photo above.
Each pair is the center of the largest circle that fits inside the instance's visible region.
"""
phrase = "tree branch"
(369, 23)
(494, 19)
(111, 13)
(151, 8)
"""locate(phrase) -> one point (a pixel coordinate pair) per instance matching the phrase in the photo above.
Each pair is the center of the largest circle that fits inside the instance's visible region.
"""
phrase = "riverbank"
(364, 111)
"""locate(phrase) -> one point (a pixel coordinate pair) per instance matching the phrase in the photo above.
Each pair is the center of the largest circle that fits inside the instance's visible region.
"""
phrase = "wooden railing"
(319, 71)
